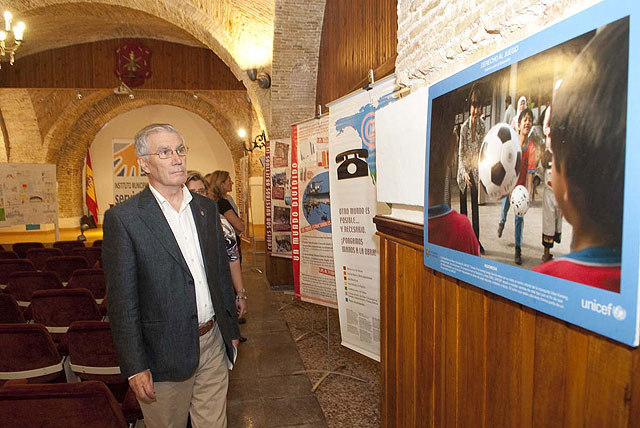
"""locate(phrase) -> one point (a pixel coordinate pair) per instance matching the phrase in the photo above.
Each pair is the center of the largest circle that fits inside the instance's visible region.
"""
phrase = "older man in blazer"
(170, 299)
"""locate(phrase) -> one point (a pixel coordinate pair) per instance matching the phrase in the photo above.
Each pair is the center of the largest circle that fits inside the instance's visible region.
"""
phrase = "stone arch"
(227, 27)
(68, 141)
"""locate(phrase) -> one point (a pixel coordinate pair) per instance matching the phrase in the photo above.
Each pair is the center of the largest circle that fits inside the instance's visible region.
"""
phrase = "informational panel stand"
(128, 179)
(311, 225)
(277, 202)
(352, 174)
(28, 195)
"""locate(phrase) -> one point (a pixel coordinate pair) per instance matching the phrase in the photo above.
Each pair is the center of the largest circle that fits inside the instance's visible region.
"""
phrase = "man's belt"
(206, 327)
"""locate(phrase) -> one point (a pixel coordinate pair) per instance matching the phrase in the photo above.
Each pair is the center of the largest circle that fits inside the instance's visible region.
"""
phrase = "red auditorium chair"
(7, 267)
(21, 248)
(64, 266)
(39, 256)
(93, 357)
(22, 285)
(68, 246)
(57, 309)
(97, 243)
(78, 404)
(92, 254)
(8, 255)
(92, 280)
(10, 312)
(27, 352)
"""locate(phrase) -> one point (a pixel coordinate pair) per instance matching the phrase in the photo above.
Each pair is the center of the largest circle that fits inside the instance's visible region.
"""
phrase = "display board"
(356, 247)
(311, 225)
(128, 178)
(277, 200)
(576, 81)
(28, 194)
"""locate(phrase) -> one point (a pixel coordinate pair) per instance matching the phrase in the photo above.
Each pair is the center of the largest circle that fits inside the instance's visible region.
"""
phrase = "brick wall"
(437, 38)
(296, 43)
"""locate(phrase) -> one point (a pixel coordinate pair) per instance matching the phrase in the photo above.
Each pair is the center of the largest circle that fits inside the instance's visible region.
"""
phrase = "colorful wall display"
(28, 194)
(311, 225)
(278, 197)
(563, 168)
(352, 177)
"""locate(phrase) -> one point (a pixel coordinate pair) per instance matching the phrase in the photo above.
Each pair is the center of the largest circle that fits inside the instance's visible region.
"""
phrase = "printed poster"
(28, 194)
(559, 229)
(278, 197)
(313, 269)
(128, 178)
(352, 177)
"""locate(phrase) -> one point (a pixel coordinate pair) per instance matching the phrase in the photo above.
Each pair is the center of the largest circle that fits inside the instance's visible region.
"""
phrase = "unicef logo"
(619, 313)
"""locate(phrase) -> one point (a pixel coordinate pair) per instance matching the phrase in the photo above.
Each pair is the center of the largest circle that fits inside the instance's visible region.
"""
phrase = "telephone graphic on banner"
(352, 164)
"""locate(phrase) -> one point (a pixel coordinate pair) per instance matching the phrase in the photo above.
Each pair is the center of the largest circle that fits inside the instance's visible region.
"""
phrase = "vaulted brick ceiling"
(238, 31)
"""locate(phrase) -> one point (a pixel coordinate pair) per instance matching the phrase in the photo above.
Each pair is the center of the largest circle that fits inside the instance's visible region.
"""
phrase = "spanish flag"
(92, 201)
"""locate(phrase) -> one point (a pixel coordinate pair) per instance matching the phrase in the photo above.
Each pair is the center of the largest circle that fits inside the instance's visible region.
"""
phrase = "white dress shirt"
(184, 230)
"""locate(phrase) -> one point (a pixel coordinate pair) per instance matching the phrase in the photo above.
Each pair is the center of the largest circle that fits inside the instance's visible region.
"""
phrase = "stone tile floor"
(263, 392)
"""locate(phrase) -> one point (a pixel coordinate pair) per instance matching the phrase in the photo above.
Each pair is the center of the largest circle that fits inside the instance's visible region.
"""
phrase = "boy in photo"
(588, 130)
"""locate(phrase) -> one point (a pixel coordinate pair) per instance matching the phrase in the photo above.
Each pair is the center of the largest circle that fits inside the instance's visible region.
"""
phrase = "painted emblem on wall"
(133, 63)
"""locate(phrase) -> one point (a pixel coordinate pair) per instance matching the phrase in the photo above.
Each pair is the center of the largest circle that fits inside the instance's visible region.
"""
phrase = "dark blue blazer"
(150, 291)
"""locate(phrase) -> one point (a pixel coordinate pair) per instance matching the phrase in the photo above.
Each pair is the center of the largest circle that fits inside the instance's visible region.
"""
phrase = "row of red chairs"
(63, 266)
(21, 248)
(39, 256)
(29, 353)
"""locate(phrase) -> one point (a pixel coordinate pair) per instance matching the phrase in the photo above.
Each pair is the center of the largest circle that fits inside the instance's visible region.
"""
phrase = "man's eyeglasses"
(167, 153)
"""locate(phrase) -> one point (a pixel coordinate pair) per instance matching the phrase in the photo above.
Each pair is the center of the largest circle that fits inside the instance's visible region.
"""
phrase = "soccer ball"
(499, 160)
(520, 200)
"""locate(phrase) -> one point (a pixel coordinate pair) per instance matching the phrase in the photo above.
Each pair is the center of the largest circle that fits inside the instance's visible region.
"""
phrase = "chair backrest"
(78, 404)
(92, 353)
(39, 256)
(10, 312)
(68, 246)
(8, 255)
(22, 285)
(7, 267)
(92, 280)
(92, 254)
(97, 243)
(21, 248)
(28, 351)
(64, 266)
(57, 309)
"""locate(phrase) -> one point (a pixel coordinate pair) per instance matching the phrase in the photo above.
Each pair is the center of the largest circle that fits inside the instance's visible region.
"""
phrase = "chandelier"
(10, 37)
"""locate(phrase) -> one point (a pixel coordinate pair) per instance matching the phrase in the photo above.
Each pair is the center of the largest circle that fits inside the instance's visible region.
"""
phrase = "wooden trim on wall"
(456, 356)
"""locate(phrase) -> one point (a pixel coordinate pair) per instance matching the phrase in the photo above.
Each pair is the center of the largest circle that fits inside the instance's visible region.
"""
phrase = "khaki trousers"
(203, 395)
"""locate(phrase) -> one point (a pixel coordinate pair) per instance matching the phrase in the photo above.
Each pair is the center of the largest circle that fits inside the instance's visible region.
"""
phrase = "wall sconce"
(257, 143)
(264, 80)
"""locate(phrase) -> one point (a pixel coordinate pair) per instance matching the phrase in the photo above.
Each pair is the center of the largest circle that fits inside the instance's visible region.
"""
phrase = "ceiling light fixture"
(123, 89)
(11, 37)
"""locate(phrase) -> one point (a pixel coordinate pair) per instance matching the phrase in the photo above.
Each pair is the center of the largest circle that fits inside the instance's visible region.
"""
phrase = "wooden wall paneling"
(483, 361)
(279, 271)
(356, 37)
(91, 65)
(425, 346)
(576, 378)
(606, 390)
(551, 374)
(472, 351)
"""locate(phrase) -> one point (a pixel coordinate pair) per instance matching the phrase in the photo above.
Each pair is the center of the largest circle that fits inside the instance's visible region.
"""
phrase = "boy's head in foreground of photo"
(588, 131)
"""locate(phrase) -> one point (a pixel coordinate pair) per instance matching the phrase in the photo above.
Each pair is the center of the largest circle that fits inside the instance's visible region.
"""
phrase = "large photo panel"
(528, 153)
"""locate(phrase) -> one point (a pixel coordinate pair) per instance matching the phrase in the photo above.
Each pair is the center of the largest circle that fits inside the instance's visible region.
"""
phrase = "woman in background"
(197, 184)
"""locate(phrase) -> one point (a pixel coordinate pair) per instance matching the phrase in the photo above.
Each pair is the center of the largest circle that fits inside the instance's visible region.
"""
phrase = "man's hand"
(142, 385)
(467, 178)
(241, 304)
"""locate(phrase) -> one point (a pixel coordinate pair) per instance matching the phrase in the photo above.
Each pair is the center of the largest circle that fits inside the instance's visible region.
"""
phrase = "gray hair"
(141, 146)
